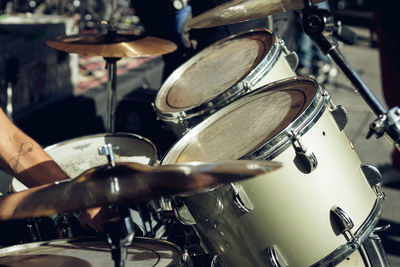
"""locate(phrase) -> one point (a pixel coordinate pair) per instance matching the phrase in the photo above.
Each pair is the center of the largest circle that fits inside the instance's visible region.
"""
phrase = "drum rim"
(362, 233)
(277, 144)
(153, 161)
(7, 251)
(117, 134)
(230, 94)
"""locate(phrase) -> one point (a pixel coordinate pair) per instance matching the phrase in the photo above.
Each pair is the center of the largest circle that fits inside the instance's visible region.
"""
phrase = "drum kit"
(262, 171)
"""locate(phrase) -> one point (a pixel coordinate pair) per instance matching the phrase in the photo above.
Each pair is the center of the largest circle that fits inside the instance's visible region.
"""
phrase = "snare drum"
(221, 73)
(297, 214)
(90, 252)
(77, 155)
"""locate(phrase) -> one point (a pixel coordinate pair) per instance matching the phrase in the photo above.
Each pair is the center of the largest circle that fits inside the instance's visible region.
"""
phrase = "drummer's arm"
(24, 158)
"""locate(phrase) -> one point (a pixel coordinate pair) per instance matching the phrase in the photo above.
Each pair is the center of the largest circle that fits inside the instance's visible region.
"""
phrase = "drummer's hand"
(95, 218)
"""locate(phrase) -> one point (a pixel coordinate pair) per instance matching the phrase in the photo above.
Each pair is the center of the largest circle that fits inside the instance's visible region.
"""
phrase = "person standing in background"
(388, 40)
(166, 19)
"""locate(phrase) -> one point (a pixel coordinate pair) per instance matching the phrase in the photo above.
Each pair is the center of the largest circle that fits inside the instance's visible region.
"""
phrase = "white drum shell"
(291, 208)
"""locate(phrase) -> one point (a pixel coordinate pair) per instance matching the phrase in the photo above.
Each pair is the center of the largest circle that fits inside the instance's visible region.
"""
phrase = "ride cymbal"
(127, 183)
(242, 10)
(113, 45)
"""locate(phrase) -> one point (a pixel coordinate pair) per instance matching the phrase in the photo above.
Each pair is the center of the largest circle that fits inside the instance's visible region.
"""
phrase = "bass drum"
(221, 73)
(77, 155)
(90, 252)
(316, 209)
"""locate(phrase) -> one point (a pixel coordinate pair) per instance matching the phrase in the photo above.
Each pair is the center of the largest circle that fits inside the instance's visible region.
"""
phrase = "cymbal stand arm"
(318, 24)
(111, 93)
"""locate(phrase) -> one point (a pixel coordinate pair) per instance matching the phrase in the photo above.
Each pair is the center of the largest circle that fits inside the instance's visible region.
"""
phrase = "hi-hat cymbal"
(115, 45)
(243, 10)
(127, 183)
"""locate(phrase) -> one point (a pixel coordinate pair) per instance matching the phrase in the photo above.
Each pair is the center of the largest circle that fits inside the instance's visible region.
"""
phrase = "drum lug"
(241, 199)
(290, 56)
(339, 113)
(183, 122)
(305, 159)
(344, 222)
(275, 257)
(373, 176)
(184, 216)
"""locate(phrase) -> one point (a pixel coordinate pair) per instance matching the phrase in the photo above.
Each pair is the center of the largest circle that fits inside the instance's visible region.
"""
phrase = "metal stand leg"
(112, 93)
(120, 234)
(373, 253)
(319, 25)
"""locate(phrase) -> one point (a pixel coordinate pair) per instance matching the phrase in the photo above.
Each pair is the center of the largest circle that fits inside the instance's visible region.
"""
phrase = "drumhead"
(77, 155)
(213, 71)
(258, 119)
(89, 252)
(80, 154)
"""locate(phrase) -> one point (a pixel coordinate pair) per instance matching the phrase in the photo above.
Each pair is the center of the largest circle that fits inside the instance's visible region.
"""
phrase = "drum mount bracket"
(319, 25)
(387, 124)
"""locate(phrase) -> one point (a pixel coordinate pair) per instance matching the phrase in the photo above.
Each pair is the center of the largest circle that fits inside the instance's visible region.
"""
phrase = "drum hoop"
(361, 235)
(118, 134)
(308, 118)
(276, 145)
(231, 93)
(21, 247)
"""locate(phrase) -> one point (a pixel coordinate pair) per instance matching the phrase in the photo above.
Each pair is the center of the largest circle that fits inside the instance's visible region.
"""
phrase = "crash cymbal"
(127, 183)
(243, 10)
(113, 45)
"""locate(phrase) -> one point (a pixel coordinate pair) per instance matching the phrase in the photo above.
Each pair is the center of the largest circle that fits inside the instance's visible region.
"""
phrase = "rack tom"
(315, 210)
(221, 73)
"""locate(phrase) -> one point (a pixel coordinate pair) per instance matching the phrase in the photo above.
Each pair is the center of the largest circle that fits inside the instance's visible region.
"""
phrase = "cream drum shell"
(290, 209)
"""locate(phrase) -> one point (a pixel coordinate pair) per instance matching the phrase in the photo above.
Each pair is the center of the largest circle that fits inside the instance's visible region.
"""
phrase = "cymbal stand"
(319, 25)
(120, 231)
(111, 65)
(120, 234)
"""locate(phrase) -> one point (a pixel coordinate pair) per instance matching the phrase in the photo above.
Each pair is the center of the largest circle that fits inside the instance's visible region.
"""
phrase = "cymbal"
(127, 183)
(116, 45)
(243, 10)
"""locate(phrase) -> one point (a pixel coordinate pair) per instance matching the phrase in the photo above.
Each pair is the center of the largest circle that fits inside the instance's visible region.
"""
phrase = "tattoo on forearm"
(24, 149)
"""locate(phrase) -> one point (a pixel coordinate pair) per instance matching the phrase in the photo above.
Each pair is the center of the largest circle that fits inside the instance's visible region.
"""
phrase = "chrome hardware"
(240, 199)
(381, 228)
(344, 222)
(362, 234)
(181, 116)
(107, 150)
(290, 56)
(247, 86)
(215, 262)
(372, 174)
(305, 159)
(275, 257)
(185, 255)
(339, 113)
(164, 204)
(184, 216)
